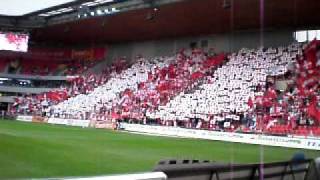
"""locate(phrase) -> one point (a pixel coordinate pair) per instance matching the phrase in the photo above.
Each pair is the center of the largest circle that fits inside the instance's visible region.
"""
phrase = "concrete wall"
(220, 42)
(235, 41)
(146, 48)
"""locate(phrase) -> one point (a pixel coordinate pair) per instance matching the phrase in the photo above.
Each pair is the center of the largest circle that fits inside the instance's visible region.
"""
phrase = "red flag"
(313, 111)
(250, 102)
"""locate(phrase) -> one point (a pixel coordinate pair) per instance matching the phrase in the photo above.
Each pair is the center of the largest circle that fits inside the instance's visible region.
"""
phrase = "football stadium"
(160, 89)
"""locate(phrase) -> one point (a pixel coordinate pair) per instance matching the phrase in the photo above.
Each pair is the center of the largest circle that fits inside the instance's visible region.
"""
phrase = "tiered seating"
(77, 67)
(81, 85)
(230, 86)
(50, 66)
(141, 88)
(102, 96)
(3, 64)
(187, 87)
(182, 72)
(315, 131)
(36, 67)
(302, 131)
(35, 104)
(296, 109)
(279, 129)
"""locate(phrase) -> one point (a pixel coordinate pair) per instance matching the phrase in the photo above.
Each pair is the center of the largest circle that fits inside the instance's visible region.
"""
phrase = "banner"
(88, 54)
(62, 54)
(39, 119)
(69, 122)
(268, 140)
(49, 53)
(24, 118)
(107, 124)
(58, 121)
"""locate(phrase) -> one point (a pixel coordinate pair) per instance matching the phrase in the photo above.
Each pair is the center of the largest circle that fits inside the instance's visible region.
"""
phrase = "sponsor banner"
(82, 54)
(38, 119)
(88, 54)
(40, 53)
(267, 140)
(79, 123)
(69, 122)
(95, 53)
(50, 52)
(24, 118)
(313, 143)
(105, 125)
(58, 121)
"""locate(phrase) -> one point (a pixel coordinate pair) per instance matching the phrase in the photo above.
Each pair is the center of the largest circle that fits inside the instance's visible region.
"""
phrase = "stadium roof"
(41, 13)
(77, 6)
(131, 20)
(185, 18)
(48, 8)
(14, 7)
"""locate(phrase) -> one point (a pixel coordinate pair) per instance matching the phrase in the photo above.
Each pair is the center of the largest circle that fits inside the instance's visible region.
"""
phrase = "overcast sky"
(21, 7)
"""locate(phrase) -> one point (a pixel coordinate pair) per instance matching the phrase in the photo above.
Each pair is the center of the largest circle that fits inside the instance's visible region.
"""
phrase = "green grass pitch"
(40, 150)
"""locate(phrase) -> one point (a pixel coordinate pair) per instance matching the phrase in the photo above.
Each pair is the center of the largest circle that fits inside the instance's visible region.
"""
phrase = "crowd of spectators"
(77, 85)
(106, 97)
(181, 73)
(139, 89)
(296, 109)
(223, 98)
(194, 90)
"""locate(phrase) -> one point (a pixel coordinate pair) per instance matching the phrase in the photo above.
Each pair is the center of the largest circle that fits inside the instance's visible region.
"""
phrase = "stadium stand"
(51, 61)
(127, 82)
(230, 81)
(78, 106)
(231, 86)
(83, 84)
(182, 74)
(49, 66)
(195, 91)
(295, 110)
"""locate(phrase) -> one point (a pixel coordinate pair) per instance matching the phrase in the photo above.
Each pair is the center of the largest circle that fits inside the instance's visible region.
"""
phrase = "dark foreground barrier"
(296, 169)
(205, 170)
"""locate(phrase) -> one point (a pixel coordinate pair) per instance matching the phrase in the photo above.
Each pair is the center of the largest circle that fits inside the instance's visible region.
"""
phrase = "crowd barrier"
(290, 142)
